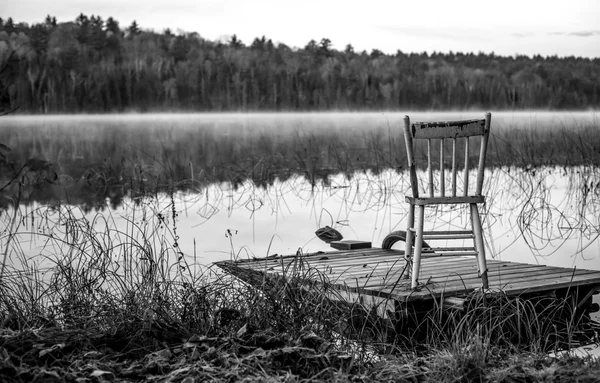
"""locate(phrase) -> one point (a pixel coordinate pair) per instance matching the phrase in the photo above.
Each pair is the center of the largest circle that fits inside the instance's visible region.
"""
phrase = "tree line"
(94, 65)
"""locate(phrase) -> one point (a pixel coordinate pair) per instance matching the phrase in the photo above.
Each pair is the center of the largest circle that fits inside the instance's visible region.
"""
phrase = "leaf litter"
(58, 355)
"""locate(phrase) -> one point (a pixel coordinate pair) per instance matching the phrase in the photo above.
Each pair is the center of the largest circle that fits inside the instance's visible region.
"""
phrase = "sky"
(505, 27)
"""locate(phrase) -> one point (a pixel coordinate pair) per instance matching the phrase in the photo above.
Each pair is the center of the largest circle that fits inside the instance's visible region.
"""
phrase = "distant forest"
(95, 65)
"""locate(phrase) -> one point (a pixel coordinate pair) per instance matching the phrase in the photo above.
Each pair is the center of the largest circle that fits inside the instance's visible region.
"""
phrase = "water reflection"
(547, 216)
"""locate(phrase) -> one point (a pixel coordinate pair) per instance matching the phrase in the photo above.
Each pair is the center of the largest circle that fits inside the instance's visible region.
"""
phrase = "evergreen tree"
(133, 29)
(112, 26)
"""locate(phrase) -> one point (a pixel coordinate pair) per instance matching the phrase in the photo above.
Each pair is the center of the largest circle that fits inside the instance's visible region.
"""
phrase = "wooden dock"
(373, 277)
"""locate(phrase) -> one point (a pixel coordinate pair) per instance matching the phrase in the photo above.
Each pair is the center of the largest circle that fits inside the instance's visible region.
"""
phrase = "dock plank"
(533, 279)
(384, 274)
(515, 271)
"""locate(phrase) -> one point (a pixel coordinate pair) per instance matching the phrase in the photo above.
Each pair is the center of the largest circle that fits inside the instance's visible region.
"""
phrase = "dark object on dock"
(396, 236)
(350, 245)
(329, 234)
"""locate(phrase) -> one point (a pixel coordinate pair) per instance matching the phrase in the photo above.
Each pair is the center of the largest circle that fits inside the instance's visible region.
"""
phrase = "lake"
(207, 187)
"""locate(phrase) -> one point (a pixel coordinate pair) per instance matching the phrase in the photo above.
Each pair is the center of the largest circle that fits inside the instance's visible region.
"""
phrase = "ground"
(52, 355)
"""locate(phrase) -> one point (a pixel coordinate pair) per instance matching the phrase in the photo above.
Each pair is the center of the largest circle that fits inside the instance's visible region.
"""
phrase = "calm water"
(545, 214)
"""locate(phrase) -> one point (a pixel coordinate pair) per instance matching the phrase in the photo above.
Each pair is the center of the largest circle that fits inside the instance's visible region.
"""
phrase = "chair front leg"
(418, 247)
(480, 248)
(410, 226)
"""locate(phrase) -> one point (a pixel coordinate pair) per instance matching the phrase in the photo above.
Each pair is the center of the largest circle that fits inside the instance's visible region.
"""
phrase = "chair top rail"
(448, 129)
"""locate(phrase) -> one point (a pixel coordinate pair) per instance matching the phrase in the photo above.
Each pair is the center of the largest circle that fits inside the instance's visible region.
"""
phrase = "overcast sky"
(506, 27)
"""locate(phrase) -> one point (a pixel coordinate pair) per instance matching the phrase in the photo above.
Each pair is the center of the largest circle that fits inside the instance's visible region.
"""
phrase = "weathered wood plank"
(383, 271)
(457, 281)
(532, 278)
(536, 285)
(358, 261)
(555, 283)
(329, 254)
(335, 258)
(449, 278)
(385, 258)
(325, 263)
(429, 265)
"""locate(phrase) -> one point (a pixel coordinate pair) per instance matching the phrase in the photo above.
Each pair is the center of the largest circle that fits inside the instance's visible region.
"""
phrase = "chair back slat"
(454, 167)
(466, 172)
(429, 168)
(442, 176)
(457, 131)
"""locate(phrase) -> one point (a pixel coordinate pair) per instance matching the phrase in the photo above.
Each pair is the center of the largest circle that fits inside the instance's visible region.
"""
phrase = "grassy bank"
(128, 305)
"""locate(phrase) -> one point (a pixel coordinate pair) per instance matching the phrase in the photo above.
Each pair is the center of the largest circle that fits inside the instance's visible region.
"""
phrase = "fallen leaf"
(197, 338)
(99, 373)
(241, 331)
(179, 371)
(162, 355)
(51, 349)
(4, 354)
(92, 354)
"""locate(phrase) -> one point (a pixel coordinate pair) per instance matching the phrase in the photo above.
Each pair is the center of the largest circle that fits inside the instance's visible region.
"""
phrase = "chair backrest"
(453, 131)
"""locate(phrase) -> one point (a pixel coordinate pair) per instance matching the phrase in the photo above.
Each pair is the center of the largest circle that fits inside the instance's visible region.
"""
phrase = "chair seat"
(421, 201)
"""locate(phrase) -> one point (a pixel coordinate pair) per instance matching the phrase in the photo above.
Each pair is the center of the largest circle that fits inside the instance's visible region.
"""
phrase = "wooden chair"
(437, 194)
